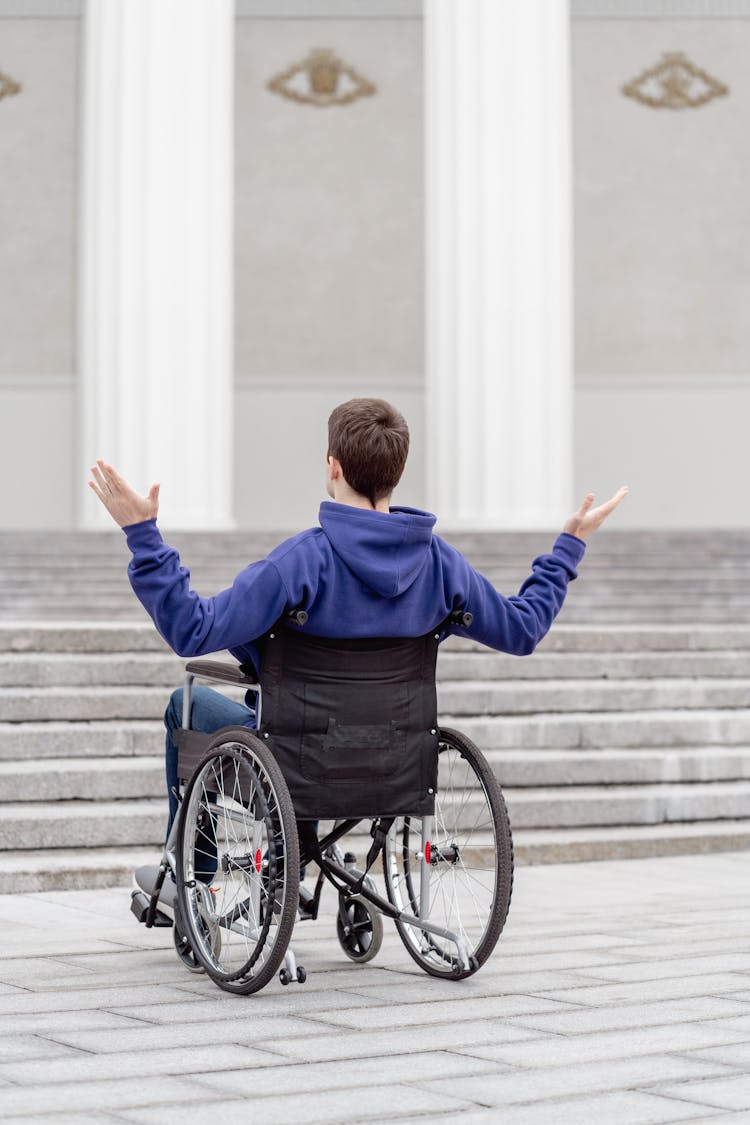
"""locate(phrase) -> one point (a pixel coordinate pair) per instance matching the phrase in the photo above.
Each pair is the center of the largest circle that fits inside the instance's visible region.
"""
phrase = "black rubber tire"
(434, 955)
(183, 948)
(238, 781)
(365, 924)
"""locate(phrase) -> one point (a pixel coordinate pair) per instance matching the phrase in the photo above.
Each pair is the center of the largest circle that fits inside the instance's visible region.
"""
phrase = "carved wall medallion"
(321, 79)
(8, 86)
(675, 83)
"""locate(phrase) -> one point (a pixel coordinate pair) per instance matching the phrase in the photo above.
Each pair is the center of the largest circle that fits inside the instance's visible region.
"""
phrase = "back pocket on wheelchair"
(352, 752)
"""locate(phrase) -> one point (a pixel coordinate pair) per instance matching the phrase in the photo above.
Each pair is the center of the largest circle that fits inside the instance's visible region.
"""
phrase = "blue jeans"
(209, 712)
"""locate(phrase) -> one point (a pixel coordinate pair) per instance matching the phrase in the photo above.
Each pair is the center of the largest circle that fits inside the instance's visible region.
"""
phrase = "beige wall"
(38, 156)
(329, 206)
(662, 275)
(329, 266)
(662, 236)
(329, 250)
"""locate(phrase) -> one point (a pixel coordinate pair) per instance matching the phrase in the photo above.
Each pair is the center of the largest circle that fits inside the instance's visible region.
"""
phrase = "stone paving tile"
(434, 1012)
(77, 1019)
(145, 1063)
(111, 998)
(641, 991)
(378, 1070)
(498, 985)
(658, 969)
(563, 1050)
(25, 1047)
(94, 1095)
(621, 1108)
(367, 1103)
(730, 1092)
(587, 1020)
(247, 1029)
(588, 1077)
(410, 1041)
(733, 1054)
(90, 1118)
(556, 958)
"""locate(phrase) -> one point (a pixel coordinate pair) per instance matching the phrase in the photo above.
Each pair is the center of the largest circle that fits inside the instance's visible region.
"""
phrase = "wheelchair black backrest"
(352, 723)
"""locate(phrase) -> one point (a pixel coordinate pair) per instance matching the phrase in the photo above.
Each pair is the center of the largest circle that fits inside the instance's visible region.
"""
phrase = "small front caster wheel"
(285, 976)
(301, 975)
(359, 928)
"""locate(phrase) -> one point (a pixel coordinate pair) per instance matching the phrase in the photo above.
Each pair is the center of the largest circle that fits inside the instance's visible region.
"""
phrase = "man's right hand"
(123, 503)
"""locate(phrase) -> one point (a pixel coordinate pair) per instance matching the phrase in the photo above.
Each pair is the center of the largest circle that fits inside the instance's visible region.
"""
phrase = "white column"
(155, 332)
(498, 200)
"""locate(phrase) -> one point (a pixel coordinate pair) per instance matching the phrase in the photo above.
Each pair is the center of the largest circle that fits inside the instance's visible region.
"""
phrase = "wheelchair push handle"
(460, 617)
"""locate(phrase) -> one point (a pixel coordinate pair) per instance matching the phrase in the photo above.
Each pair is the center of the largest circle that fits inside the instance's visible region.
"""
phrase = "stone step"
(75, 824)
(68, 869)
(83, 824)
(638, 729)
(85, 703)
(580, 806)
(574, 845)
(22, 741)
(467, 698)
(533, 697)
(85, 868)
(164, 670)
(80, 637)
(523, 768)
(134, 637)
(106, 779)
(543, 665)
(84, 779)
(147, 669)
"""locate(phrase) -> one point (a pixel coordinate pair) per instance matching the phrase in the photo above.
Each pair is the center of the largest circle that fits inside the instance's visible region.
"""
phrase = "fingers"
(618, 498)
(99, 483)
(588, 501)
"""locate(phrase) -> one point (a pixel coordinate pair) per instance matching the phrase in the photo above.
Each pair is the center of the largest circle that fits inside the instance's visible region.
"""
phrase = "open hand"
(123, 503)
(587, 519)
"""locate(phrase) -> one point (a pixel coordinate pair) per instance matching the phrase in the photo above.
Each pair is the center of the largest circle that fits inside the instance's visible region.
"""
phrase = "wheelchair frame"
(354, 886)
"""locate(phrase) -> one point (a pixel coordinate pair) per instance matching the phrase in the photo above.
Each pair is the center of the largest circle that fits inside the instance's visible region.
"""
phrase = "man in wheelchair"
(368, 571)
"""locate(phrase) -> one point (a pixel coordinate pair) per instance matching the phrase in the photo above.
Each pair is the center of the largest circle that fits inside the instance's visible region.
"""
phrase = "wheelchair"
(346, 734)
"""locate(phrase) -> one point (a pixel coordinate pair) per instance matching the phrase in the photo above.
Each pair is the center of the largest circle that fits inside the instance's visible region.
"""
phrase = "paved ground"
(619, 993)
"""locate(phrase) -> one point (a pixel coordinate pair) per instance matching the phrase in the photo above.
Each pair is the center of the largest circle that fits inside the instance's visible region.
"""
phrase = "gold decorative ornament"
(675, 83)
(8, 86)
(321, 79)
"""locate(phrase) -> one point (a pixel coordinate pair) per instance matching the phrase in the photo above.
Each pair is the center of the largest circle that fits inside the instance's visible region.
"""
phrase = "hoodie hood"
(385, 550)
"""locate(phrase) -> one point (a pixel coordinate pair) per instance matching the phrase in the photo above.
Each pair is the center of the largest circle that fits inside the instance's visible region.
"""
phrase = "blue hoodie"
(362, 573)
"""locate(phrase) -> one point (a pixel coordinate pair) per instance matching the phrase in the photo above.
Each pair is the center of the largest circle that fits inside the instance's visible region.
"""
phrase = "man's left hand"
(587, 519)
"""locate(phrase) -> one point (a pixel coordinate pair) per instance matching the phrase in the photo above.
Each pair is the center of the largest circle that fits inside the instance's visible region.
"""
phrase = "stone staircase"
(626, 734)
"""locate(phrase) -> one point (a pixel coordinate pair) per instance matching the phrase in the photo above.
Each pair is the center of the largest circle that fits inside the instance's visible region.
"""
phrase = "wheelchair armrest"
(219, 670)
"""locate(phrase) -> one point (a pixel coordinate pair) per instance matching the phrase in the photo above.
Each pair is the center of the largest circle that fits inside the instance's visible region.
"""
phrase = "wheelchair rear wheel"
(470, 862)
(238, 862)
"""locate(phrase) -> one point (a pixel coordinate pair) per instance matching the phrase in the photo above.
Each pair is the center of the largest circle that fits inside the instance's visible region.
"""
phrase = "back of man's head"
(370, 440)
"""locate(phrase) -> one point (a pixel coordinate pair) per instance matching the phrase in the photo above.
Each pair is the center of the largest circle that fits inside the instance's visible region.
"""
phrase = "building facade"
(524, 223)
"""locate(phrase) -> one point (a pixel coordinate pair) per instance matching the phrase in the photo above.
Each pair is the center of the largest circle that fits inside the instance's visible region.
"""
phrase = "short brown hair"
(370, 438)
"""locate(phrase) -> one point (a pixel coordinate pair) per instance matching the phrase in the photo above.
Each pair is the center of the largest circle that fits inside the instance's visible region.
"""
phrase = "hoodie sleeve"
(190, 624)
(517, 624)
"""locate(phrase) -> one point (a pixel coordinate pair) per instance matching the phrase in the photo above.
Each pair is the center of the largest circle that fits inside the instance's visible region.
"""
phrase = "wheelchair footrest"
(139, 904)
